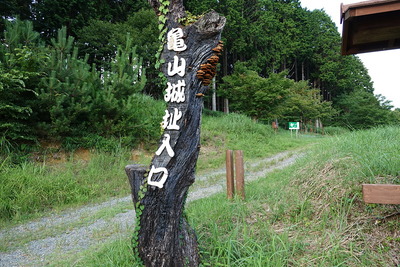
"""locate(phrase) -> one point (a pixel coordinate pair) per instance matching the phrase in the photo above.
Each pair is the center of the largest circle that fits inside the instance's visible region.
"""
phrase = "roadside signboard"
(294, 125)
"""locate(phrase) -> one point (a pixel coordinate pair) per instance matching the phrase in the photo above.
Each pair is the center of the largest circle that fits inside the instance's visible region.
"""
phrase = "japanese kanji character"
(170, 120)
(159, 184)
(177, 68)
(175, 41)
(166, 145)
(175, 92)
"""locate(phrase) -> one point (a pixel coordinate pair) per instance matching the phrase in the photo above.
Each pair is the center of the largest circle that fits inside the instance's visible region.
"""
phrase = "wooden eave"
(370, 26)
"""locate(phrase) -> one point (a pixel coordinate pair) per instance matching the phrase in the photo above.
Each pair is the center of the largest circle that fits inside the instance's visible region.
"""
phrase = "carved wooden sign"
(191, 55)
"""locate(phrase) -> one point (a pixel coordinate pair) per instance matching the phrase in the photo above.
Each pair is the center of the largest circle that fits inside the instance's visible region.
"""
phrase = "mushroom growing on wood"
(208, 70)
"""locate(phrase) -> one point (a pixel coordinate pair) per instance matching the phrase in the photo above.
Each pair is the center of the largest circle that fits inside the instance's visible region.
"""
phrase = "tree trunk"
(165, 238)
(225, 73)
(214, 95)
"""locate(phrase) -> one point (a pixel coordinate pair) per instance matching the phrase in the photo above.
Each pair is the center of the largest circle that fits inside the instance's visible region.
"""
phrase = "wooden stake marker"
(381, 193)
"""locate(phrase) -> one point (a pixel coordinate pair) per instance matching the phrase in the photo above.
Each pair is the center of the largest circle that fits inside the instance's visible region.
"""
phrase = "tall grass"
(377, 151)
(310, 214)
(111, 254)
(32, 187)
(238, 132)
(335, 130)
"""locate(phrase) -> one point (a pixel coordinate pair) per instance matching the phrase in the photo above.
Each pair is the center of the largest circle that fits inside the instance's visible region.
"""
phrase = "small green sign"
(294, 125)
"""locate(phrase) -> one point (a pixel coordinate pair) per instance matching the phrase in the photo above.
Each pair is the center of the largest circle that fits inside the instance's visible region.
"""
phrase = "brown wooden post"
(239, 169)
(230, 186)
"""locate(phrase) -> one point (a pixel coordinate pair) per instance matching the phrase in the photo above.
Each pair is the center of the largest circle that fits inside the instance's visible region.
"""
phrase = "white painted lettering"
(178, 67)
(175, 92)
(159, 184)
(175, 41)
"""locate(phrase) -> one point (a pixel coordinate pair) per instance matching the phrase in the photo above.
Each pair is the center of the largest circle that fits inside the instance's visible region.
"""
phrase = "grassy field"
(310, 214)
(56, 180)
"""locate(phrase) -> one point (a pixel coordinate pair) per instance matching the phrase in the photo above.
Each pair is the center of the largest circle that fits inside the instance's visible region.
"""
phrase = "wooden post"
(189, 56)
(239, 169)
(230, 186)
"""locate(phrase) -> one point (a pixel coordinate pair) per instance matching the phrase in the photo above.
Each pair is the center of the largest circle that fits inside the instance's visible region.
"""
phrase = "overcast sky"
(383, 67)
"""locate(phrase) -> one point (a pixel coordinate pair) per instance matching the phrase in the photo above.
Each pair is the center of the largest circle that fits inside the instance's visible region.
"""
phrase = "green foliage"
(20, 33)
(274, 97)
(162, 28)
(50, 92)
(137, 117)
(126, 75)
(142, 27)
(14, 111)
(361, 110)
(253, 95)
(189, 19)
(305, 104)
(395, 116)
(13, 8)
(76, 14)
(100, 39)
(19, 72)
(274, 36)
(269, 36)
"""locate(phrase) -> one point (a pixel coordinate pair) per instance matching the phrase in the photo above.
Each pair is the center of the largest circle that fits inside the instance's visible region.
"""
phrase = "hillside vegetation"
(86, 71)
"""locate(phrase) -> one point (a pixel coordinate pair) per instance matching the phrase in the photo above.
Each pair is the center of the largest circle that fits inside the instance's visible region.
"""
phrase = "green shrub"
(52, 93)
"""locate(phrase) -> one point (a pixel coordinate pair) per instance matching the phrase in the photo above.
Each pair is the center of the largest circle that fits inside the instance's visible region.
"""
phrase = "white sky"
(383, 66)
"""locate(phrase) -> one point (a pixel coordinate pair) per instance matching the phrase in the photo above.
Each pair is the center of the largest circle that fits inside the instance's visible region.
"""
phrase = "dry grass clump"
(333, 217)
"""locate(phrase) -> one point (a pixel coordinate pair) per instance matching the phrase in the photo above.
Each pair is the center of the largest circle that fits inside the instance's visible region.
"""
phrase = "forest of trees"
(78, 69)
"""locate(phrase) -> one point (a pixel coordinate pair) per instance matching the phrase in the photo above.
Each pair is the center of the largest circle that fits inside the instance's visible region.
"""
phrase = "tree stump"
(165, 237)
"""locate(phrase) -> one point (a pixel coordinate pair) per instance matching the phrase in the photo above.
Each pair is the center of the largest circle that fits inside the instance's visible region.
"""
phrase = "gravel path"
(76, 230)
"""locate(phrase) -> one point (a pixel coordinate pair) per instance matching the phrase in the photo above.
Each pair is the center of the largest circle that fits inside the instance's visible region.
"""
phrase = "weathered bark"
(165, 237)
(135, 174)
